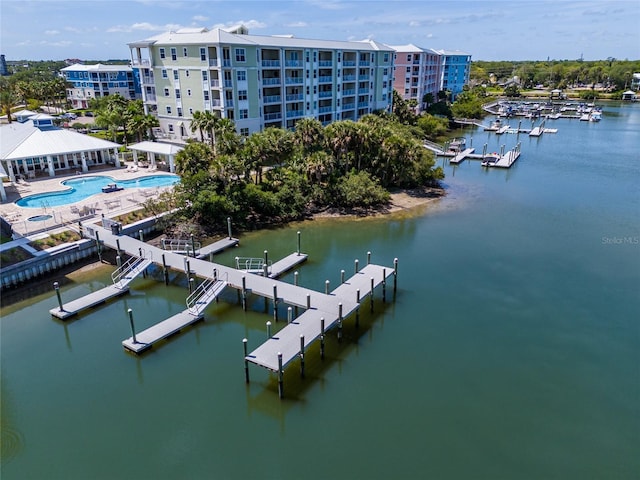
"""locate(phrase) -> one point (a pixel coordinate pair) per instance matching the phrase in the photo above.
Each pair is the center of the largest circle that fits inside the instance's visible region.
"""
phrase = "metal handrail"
(207, 290)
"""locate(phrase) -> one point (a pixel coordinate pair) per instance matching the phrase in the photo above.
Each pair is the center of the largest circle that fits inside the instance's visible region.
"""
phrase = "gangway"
(253, 265)
(182, 246)
(130, 270)
(204, 294)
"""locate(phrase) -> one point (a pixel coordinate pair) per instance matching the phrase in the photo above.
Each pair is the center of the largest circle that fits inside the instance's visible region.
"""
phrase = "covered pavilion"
(152, 149)
(36, 147)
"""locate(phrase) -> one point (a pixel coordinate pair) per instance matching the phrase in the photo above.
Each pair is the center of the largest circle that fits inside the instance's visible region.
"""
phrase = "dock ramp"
(130, 270)
(204, 294)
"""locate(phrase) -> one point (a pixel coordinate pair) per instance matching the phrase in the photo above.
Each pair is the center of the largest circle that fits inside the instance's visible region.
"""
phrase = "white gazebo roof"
(24, 140)
(156, 147)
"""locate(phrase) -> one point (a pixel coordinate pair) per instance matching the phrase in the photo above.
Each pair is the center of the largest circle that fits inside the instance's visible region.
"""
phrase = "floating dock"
(145, 339)
(461, 156)
(88, 301)
(217, 247)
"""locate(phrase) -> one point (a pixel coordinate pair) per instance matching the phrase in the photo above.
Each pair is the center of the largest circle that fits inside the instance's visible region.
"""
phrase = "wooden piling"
(191, 281)
(246, 362)
(308, 301)
(118, 251)
(265, 267)
(193, 246)
(118, 261)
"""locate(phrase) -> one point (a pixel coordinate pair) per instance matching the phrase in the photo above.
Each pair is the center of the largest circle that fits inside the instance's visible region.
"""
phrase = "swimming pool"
(80, 189)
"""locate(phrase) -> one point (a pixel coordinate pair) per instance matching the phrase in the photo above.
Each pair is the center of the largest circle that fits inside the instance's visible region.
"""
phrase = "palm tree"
(309, 134)
(197, 123)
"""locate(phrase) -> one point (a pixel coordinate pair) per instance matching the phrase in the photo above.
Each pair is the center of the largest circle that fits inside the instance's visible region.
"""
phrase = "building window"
(386, 57)
(408, 69)
(189, 91)
(186, 72)
(205, 76)
(164, 73)
(171, 127)
(242, 75)
(179, 111)
(385, 71)
(244, 132)
(175, 74)
(242, 95)
(206, 95)
(162, 55)
(168, 110)
(166, 91)
(191, 111)
(177, 93)
(184, 52)
(203, 54)
(174, 54)
(243, 113)
(240, 55)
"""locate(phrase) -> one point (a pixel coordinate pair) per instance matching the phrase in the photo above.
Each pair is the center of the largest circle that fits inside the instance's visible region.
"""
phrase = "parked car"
(88, 114)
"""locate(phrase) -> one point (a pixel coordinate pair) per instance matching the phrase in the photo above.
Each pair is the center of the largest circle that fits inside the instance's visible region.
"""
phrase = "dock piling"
(246, 362)
(289, 315)
(384, 285)
(56, 287)
(141, 235)
(368, 258)
(322, 338)
(280, 376)
(275, 302)
(191, 281)
(244, 293)
(371, 297)
(341, 276)
(295, 278)
(326, 287)
(395, 275)
(118, 247)
(356, 266)
(229, 227)
(268, 328)
(302, 356)
(266, 264)
(358, 308)
(193, 246)
(98, 246)
(308, 301)
(340, 322)
(298, 242)
(165, 270)
(133, 328)
(118, 261)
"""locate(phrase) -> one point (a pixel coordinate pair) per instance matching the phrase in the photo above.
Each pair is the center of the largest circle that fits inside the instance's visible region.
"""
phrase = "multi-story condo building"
(95, 81)
(455, 72)
(259, 81)
(417, 72)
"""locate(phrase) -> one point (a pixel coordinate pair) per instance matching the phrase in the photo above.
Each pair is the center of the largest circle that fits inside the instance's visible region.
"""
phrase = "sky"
(487, 30)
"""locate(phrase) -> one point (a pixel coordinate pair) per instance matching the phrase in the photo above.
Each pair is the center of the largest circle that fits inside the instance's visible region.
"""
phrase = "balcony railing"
(228, 84)
(363, 104)
(216, 102)
(226, 62)
(364, 63)
(363, 90)
(349, 63)
(272, 99)
(273, 116)
(228, 103)
(363, 77)
(150, 97)
(215, 83)
(271, 81)
(271, 63)
(347, 93)
(143, 62)
(348, 106)
(295, 98)
(348, 78)
(325, 109)
(325, 63)
(294, 113)
(293, 63)
(294, 80)
(325, 94)
(214, 62)
(325, 79)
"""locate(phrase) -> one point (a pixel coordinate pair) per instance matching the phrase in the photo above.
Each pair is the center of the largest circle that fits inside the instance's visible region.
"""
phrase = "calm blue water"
(510, 351)
(82, 188)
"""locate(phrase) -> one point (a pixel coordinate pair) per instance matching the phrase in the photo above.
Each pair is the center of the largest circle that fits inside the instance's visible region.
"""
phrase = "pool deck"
(109, 204)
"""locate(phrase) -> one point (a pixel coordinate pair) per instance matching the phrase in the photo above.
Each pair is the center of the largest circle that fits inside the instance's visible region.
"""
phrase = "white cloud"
(297, 24)
(61, 43)
(52, 32)
(414, 23)
(200, 18)
(250, 24)
(327, 4)
(145, 27)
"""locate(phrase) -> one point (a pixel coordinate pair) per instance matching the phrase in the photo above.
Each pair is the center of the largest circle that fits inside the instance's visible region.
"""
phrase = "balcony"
(226, 62)
(295, 98)
(363, 104)
(349, 106)
(150, 97)
(214, 62)
(293, 80)
(363, 77)
(348, 78)
(293, 63)
(364, 63)
(325, 109)
(215, 83)
(349, 63)
(325, 79)
(141, 62)
(271, 63)
(228, 84)
(293, 113)
(273, 116)
(216, 102)
(228, 103)
(325, 63)
(271, 81)
(325, 94)
(147, 80)
(272, 99)
(363, 91)
(349, 92)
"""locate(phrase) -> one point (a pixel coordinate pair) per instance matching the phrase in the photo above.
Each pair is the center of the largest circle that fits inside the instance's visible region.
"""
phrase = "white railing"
(205, 293)
(130, 269)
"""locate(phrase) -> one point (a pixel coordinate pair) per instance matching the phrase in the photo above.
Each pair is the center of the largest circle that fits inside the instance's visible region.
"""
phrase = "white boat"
(595, 116)
(584, 117)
